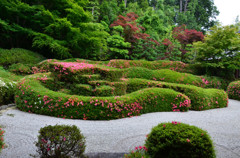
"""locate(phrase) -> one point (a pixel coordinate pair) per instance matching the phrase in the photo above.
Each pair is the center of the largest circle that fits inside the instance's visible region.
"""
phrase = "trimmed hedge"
(164, 75)
(32, 96)
(233, 90)
(177, 139)
(153, 65)
(201, 99)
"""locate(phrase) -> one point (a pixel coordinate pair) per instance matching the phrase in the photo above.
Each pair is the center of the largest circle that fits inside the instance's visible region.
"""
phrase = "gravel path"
(113, 138)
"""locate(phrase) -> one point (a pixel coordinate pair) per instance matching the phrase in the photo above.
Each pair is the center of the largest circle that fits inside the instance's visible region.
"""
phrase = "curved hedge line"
(164, 75)
(233, 90)
(201, 99)
(32, 96)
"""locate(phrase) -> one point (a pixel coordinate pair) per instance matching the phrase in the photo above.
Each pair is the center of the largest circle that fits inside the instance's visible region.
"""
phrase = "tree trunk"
(180, 9)
(125, 3)
(185, 6)
(92, 11)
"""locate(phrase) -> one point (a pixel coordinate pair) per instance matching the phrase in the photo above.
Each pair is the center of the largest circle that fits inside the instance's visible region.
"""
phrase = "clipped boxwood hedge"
(164, 75)
(233, 90)
(32, 96)
(177, 139)
(201, 99)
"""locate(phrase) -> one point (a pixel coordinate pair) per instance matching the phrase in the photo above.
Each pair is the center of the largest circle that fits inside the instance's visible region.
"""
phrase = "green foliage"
(1, 139)
(7, 90)
(219, 50)
(17, 55)
(62, 141)
(57, 29)
(179, 140)
(233, 90)
(118, 48)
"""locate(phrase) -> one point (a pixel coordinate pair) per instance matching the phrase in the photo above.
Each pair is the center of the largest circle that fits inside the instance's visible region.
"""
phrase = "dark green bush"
(60, 141)
(179, 140)
(233, 90)
(103, 91)
(1, 139)
(7, 90)
(18, 55)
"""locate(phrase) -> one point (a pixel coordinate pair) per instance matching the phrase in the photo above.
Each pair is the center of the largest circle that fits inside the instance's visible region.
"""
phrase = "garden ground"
(115, 137)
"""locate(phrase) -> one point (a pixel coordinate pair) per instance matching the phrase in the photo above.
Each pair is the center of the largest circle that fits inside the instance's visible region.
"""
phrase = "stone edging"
(3, 107)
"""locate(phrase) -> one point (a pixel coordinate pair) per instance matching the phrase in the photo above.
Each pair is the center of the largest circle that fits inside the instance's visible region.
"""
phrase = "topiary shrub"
(1, 139)
(179, 140)
(60, 141)
(7, 89)
(233, 90)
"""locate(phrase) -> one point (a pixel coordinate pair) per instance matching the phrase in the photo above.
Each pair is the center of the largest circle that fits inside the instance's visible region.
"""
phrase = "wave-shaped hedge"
(32, 96)
(201, 98)
(233, 90)
(164, 75)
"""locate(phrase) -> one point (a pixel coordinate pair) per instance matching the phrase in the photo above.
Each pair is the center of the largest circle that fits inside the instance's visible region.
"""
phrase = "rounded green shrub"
(1, 139)
(60, 141)
(179, 140)
(233, 90)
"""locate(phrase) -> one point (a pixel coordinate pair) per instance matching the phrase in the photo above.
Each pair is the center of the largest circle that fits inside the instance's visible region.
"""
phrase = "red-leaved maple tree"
(185, 37)
(132, 31)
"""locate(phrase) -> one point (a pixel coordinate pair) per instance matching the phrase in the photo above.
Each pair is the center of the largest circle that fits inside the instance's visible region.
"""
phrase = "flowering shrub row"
(201, 99)
(32, 96)
(7, 89)
(233, 90)
(154, 65)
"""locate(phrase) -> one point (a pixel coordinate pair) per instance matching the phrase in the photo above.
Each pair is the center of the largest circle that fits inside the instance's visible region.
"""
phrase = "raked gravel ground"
(112, 138)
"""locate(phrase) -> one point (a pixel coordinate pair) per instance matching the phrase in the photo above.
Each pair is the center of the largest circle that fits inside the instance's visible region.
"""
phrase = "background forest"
(119, 29)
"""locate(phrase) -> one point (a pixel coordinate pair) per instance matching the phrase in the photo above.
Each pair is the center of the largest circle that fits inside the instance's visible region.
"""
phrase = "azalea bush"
(179, 140)
(1, 139)
(233, 90)
(138, 152)
(62, 141)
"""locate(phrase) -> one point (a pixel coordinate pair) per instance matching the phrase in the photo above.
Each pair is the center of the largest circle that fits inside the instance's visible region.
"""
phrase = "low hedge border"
(233, 90)
(32, 96)
(201, 98)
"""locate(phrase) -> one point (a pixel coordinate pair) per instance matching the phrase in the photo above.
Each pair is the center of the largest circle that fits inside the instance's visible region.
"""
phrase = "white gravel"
(122, 135)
